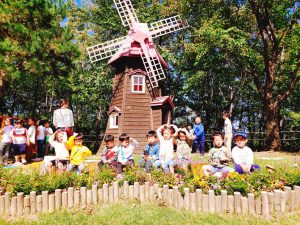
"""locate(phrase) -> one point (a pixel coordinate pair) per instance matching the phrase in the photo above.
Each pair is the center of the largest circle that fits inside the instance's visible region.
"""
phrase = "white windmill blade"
(126, 12)
(152, 65)
(106, 49)
(167, 26)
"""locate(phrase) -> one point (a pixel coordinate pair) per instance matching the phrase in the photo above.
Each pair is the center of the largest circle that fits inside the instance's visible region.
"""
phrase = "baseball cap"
(241, 133)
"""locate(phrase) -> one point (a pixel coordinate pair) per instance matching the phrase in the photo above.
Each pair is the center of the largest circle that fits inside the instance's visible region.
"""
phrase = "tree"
(256, 39)
(34, 45)
(278, 36)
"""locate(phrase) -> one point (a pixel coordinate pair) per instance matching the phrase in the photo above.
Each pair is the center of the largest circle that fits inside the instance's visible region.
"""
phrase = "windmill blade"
(126, 12)
(167, 26)
(152, 65)
(106, 49)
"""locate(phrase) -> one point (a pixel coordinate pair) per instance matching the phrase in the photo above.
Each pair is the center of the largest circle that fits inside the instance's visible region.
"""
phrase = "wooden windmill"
(137, 105)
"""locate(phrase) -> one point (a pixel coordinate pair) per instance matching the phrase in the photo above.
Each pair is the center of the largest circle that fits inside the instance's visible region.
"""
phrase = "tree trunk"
(273, 142)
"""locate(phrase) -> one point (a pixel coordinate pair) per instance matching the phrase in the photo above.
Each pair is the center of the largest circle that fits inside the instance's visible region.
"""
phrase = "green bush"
(158, 176)
(106, 175)
(135, 174)
(292, 176)
(18, 180)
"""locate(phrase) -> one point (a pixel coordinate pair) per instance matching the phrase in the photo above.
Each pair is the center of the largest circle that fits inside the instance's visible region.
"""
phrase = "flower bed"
(27, 192)
(17, 180)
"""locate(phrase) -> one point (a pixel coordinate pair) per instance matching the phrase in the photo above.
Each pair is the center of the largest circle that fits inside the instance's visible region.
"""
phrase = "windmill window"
(114, 121)
(138, 84)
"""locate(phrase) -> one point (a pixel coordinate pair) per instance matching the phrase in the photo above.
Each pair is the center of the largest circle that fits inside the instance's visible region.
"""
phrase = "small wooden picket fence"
(267, 204)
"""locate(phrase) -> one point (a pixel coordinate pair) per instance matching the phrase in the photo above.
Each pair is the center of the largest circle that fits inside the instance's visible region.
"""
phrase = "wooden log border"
(268, 204)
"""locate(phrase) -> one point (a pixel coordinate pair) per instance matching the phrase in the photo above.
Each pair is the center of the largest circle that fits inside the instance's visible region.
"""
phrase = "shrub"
(292, 176)
(135, 174)
(158, 176)
(106, 175)
(235, 182)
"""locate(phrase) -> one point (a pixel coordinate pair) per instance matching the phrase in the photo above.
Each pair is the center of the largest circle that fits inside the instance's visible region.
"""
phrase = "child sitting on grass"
(59, 142)
(242, 155)
(219, 156)
(110, 152)
(78, 154)
(184, 148)
(165, 136)
(151, 152)
(125, 154)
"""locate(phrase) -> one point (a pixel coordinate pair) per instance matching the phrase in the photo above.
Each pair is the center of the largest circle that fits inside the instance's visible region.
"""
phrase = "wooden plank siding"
(137, 116)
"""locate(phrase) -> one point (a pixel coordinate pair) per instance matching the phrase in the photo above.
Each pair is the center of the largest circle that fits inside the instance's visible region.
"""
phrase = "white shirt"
(126, 153)
(31, 134)
(227, 126)
(48, 131)
(242, 155)
(63, 117)
(6, 138)
(166, 147)
(41, 131)
(61, 151)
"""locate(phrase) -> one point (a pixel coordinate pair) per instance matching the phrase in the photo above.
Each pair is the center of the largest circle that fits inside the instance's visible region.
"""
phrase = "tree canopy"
(241, 56)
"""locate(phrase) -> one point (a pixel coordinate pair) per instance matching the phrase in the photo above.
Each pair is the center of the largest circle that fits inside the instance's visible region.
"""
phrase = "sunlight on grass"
(134, 213)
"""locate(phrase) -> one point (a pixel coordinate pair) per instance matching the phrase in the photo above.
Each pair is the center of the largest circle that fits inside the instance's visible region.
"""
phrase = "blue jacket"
(198, 129)
(152, 150)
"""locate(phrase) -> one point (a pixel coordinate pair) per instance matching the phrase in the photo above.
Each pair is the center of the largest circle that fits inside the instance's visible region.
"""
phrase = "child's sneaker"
(24, 161)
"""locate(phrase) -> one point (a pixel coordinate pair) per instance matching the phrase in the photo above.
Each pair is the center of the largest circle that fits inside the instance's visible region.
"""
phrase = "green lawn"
(275, 159)
(133, 213)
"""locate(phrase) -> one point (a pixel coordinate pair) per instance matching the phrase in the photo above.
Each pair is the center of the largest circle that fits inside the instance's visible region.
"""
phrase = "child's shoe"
(24, 161)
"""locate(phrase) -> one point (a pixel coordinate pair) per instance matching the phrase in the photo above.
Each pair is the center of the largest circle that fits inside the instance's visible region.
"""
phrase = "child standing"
(48, 132)
(126, 148)
(219, 156)
(78, 154)
(19, 139)
(58, 140)
(6, 141)
(40, 140)
(184, 149)
(151, 152)
(31, 149)
(242, 155)
(227, 130)
(165, 136)
(110, 152)
(198, 129)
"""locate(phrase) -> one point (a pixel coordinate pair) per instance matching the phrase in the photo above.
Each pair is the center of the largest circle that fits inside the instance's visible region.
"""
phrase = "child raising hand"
(165, 136)
(78, 154)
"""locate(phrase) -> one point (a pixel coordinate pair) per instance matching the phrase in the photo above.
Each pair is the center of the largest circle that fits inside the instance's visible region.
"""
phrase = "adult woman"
(63, 117)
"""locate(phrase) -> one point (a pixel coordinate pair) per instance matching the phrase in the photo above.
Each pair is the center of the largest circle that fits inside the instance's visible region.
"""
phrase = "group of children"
(159, 152)
(220, 156)
(70, 154)
(24, 142)
(154, 154)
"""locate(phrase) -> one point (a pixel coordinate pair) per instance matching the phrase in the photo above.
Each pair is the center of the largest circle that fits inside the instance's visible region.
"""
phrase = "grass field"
(134, 213)
(275, 159)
